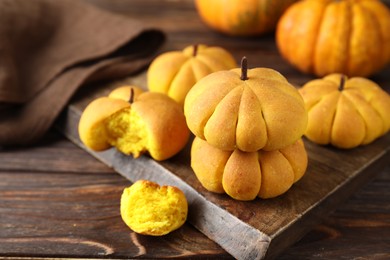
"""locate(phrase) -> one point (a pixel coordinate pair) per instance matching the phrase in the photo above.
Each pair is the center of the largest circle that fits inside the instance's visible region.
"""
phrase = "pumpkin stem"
(342, 83)
(195, 51)
(131, 99)
(244, 69)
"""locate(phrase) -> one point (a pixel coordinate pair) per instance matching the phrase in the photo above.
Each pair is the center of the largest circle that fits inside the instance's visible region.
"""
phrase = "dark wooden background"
(56, 200)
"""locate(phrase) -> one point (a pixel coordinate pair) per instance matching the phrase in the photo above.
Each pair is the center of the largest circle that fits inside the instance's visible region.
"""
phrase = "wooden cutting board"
(247, 230)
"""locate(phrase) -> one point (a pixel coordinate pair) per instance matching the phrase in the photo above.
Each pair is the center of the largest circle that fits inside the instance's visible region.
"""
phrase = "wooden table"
(57, 201)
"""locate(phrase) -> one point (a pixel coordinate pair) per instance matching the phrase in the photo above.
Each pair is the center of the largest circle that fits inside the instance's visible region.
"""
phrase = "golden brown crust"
(357, 115)
(174, 73)
(243, 175)
(208, 164)
(277, 174)
(165, 123)
(297, 157)
(262, 112)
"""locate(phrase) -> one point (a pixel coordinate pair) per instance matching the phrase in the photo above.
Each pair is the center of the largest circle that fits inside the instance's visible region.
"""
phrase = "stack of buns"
(248, 126)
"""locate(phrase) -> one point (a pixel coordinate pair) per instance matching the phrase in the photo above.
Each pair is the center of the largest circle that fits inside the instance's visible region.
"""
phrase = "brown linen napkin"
(49, 48)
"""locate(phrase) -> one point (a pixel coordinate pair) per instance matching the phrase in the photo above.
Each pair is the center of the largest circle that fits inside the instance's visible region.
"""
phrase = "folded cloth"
(49, 48)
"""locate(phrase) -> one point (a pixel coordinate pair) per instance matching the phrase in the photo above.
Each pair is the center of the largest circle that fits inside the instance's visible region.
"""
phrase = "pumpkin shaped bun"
(134, 123)
(332, 36)
(245, 176)
(150, 209)
(246, 109)
(345, 112)
(174, 73)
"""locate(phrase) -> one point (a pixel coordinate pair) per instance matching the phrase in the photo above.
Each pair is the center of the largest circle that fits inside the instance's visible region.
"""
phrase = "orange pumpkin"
(335, 36)
(242, 17)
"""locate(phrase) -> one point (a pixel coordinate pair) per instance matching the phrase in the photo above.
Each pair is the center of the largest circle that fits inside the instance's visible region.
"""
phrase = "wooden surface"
(57, 200)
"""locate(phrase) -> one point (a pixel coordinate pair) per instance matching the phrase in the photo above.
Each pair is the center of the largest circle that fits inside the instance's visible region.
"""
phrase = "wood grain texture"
(58, 201)
(30, 228)
(359, 229)
(71, 209)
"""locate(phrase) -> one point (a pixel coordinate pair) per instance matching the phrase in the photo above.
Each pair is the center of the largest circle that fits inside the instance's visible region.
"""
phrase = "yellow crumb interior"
(127, 132)
(153, 211)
